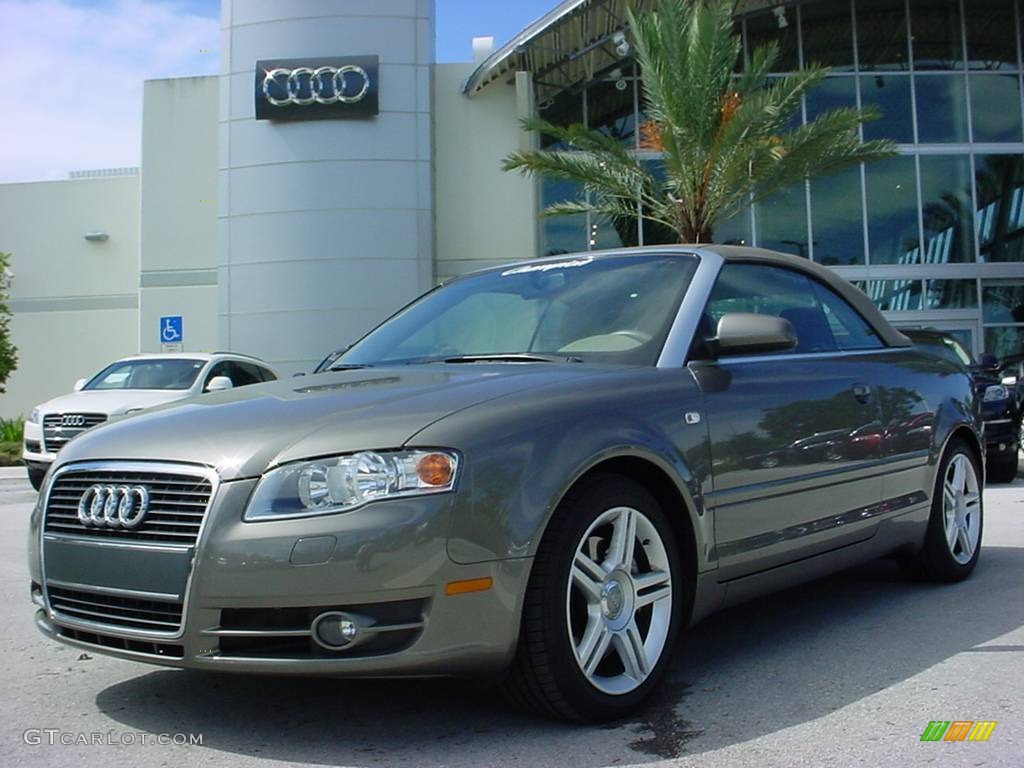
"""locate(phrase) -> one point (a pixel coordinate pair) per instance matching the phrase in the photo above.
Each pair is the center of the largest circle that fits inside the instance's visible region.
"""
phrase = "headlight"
(342, 483)
(996, 392)
(35, 416)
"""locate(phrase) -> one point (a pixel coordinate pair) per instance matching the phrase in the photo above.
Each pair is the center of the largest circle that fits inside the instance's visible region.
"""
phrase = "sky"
(59, 51)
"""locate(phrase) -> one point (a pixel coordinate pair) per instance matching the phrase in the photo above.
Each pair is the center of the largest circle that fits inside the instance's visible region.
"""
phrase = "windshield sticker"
(547, 267)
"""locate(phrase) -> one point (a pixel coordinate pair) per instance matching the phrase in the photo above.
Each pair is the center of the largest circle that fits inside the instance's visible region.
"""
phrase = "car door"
(795, 436)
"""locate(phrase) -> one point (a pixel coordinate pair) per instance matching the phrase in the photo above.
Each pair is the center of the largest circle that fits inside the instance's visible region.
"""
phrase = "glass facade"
(934, 235)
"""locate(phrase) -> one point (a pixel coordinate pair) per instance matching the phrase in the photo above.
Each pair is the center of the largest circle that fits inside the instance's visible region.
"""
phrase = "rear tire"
(35, 477)
(952, 542)
(604, 606)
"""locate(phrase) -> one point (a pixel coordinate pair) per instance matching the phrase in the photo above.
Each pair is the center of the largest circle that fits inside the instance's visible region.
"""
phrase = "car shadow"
(750, 671)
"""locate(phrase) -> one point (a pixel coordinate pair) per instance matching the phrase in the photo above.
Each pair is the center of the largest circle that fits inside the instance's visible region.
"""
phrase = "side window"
(266, 374)
(850, 330)
(764, 290)
(244, 374)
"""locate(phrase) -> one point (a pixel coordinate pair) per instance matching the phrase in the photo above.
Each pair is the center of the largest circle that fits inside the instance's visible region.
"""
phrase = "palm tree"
(724, 136)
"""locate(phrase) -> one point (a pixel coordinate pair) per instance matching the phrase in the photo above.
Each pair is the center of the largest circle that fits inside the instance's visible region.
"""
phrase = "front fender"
(524, 453)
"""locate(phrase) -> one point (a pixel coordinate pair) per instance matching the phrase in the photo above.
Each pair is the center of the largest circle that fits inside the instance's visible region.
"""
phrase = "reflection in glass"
(561, 234)
(1003, 342)
(893, 235)
(991, 39)
(832, 93)
(656, 233)
(882, 35)
(610, 106)
(828, 34)
(950, 294)
(947, 209)
(734, 231)
(764, 28)
(782, 222)
(837, 219)
(935, 28)
(893, 295)
(891, 95)
(1000, 184)
(941, 108)
(565, 109)
(995, 108)
(1002, 301)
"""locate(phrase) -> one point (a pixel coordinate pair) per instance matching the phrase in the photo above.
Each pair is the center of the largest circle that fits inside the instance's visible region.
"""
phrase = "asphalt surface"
(842, 672)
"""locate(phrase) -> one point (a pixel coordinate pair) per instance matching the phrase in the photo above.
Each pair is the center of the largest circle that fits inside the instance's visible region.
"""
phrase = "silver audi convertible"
(539, 474)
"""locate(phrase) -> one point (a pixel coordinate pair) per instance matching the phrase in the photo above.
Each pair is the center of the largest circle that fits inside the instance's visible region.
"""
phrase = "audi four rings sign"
(316, 89)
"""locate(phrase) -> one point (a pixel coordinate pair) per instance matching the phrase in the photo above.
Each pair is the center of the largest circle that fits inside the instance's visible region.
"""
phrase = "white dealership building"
(333, 171)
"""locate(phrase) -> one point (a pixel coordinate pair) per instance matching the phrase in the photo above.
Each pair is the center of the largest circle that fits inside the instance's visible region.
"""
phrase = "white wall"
(326, 226)
(178, 269)
(484, 215)
(74, 302)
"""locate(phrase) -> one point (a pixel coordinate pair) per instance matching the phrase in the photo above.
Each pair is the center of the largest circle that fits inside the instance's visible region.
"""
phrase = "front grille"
(177, 504)
(114, 610)
(58, 428)
(167, 650)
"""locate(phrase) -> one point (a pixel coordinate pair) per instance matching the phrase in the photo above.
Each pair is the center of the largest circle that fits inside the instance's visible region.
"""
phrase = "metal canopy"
(568, 45)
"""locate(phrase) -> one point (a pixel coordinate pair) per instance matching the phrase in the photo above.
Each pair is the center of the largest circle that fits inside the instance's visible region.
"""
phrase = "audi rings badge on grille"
(72, 420)
(114, 506)
(347, 84)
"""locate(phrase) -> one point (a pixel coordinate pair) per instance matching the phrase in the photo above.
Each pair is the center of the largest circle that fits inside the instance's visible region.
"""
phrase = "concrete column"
(325, 226)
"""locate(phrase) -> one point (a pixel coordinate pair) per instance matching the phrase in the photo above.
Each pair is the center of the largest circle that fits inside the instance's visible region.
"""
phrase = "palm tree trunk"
(695, 236)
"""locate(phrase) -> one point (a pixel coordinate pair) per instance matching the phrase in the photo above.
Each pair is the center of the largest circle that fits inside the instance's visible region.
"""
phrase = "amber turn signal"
(468, 585)
(435, 469)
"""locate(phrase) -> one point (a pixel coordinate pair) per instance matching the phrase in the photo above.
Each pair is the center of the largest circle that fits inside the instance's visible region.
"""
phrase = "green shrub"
(12, 430)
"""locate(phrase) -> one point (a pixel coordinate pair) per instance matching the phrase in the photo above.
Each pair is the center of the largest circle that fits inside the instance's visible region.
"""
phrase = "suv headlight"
(35, 416)
(996, 392)
(342, 483)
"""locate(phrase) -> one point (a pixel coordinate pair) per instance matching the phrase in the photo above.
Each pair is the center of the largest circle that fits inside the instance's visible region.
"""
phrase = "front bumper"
(1002, 436)
(252, 590)
(32, 447)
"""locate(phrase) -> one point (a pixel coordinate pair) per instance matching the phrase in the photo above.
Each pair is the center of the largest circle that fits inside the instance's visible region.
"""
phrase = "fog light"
(335, 630)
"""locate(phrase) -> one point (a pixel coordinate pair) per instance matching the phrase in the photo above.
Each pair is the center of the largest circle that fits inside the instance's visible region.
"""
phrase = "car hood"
(111, 402)
(243, 432)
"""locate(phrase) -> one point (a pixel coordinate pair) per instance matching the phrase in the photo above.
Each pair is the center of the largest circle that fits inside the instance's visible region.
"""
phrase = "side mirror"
(219, 383)
(79, 384)
(1009, 381)
(740, 333)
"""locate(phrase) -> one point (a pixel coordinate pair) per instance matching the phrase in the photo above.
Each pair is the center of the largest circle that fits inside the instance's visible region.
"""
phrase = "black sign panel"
(329, 88)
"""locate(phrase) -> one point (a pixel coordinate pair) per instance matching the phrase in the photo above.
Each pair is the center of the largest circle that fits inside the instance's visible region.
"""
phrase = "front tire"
(1004, 470)
(952, 542)
(604, 606)
(35, 477)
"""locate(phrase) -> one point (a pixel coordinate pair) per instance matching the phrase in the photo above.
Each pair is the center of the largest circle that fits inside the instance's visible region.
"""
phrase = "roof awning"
(567, 45)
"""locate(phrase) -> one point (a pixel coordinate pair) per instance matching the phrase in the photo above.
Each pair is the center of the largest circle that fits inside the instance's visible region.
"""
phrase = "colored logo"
(958, 730)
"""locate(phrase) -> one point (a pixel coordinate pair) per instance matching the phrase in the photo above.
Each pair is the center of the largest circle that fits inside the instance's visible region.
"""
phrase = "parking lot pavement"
(843, 672)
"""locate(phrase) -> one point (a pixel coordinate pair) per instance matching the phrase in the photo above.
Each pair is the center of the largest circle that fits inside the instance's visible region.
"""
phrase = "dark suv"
(999, 405)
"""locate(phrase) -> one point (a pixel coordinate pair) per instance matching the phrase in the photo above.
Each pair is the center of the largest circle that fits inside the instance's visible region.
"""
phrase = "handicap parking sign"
(171, 330)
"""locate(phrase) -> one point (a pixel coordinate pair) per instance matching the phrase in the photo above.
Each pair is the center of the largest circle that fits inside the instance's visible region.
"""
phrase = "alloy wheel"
(961, 507)
(619, 600)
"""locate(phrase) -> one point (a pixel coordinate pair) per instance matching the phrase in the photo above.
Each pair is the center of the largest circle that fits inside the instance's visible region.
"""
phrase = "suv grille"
(58, 428)
(127, 612)
(177, 504)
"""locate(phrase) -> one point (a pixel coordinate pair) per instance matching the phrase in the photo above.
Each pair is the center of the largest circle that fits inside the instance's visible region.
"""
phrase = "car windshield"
(175, 373)
(607, 310)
